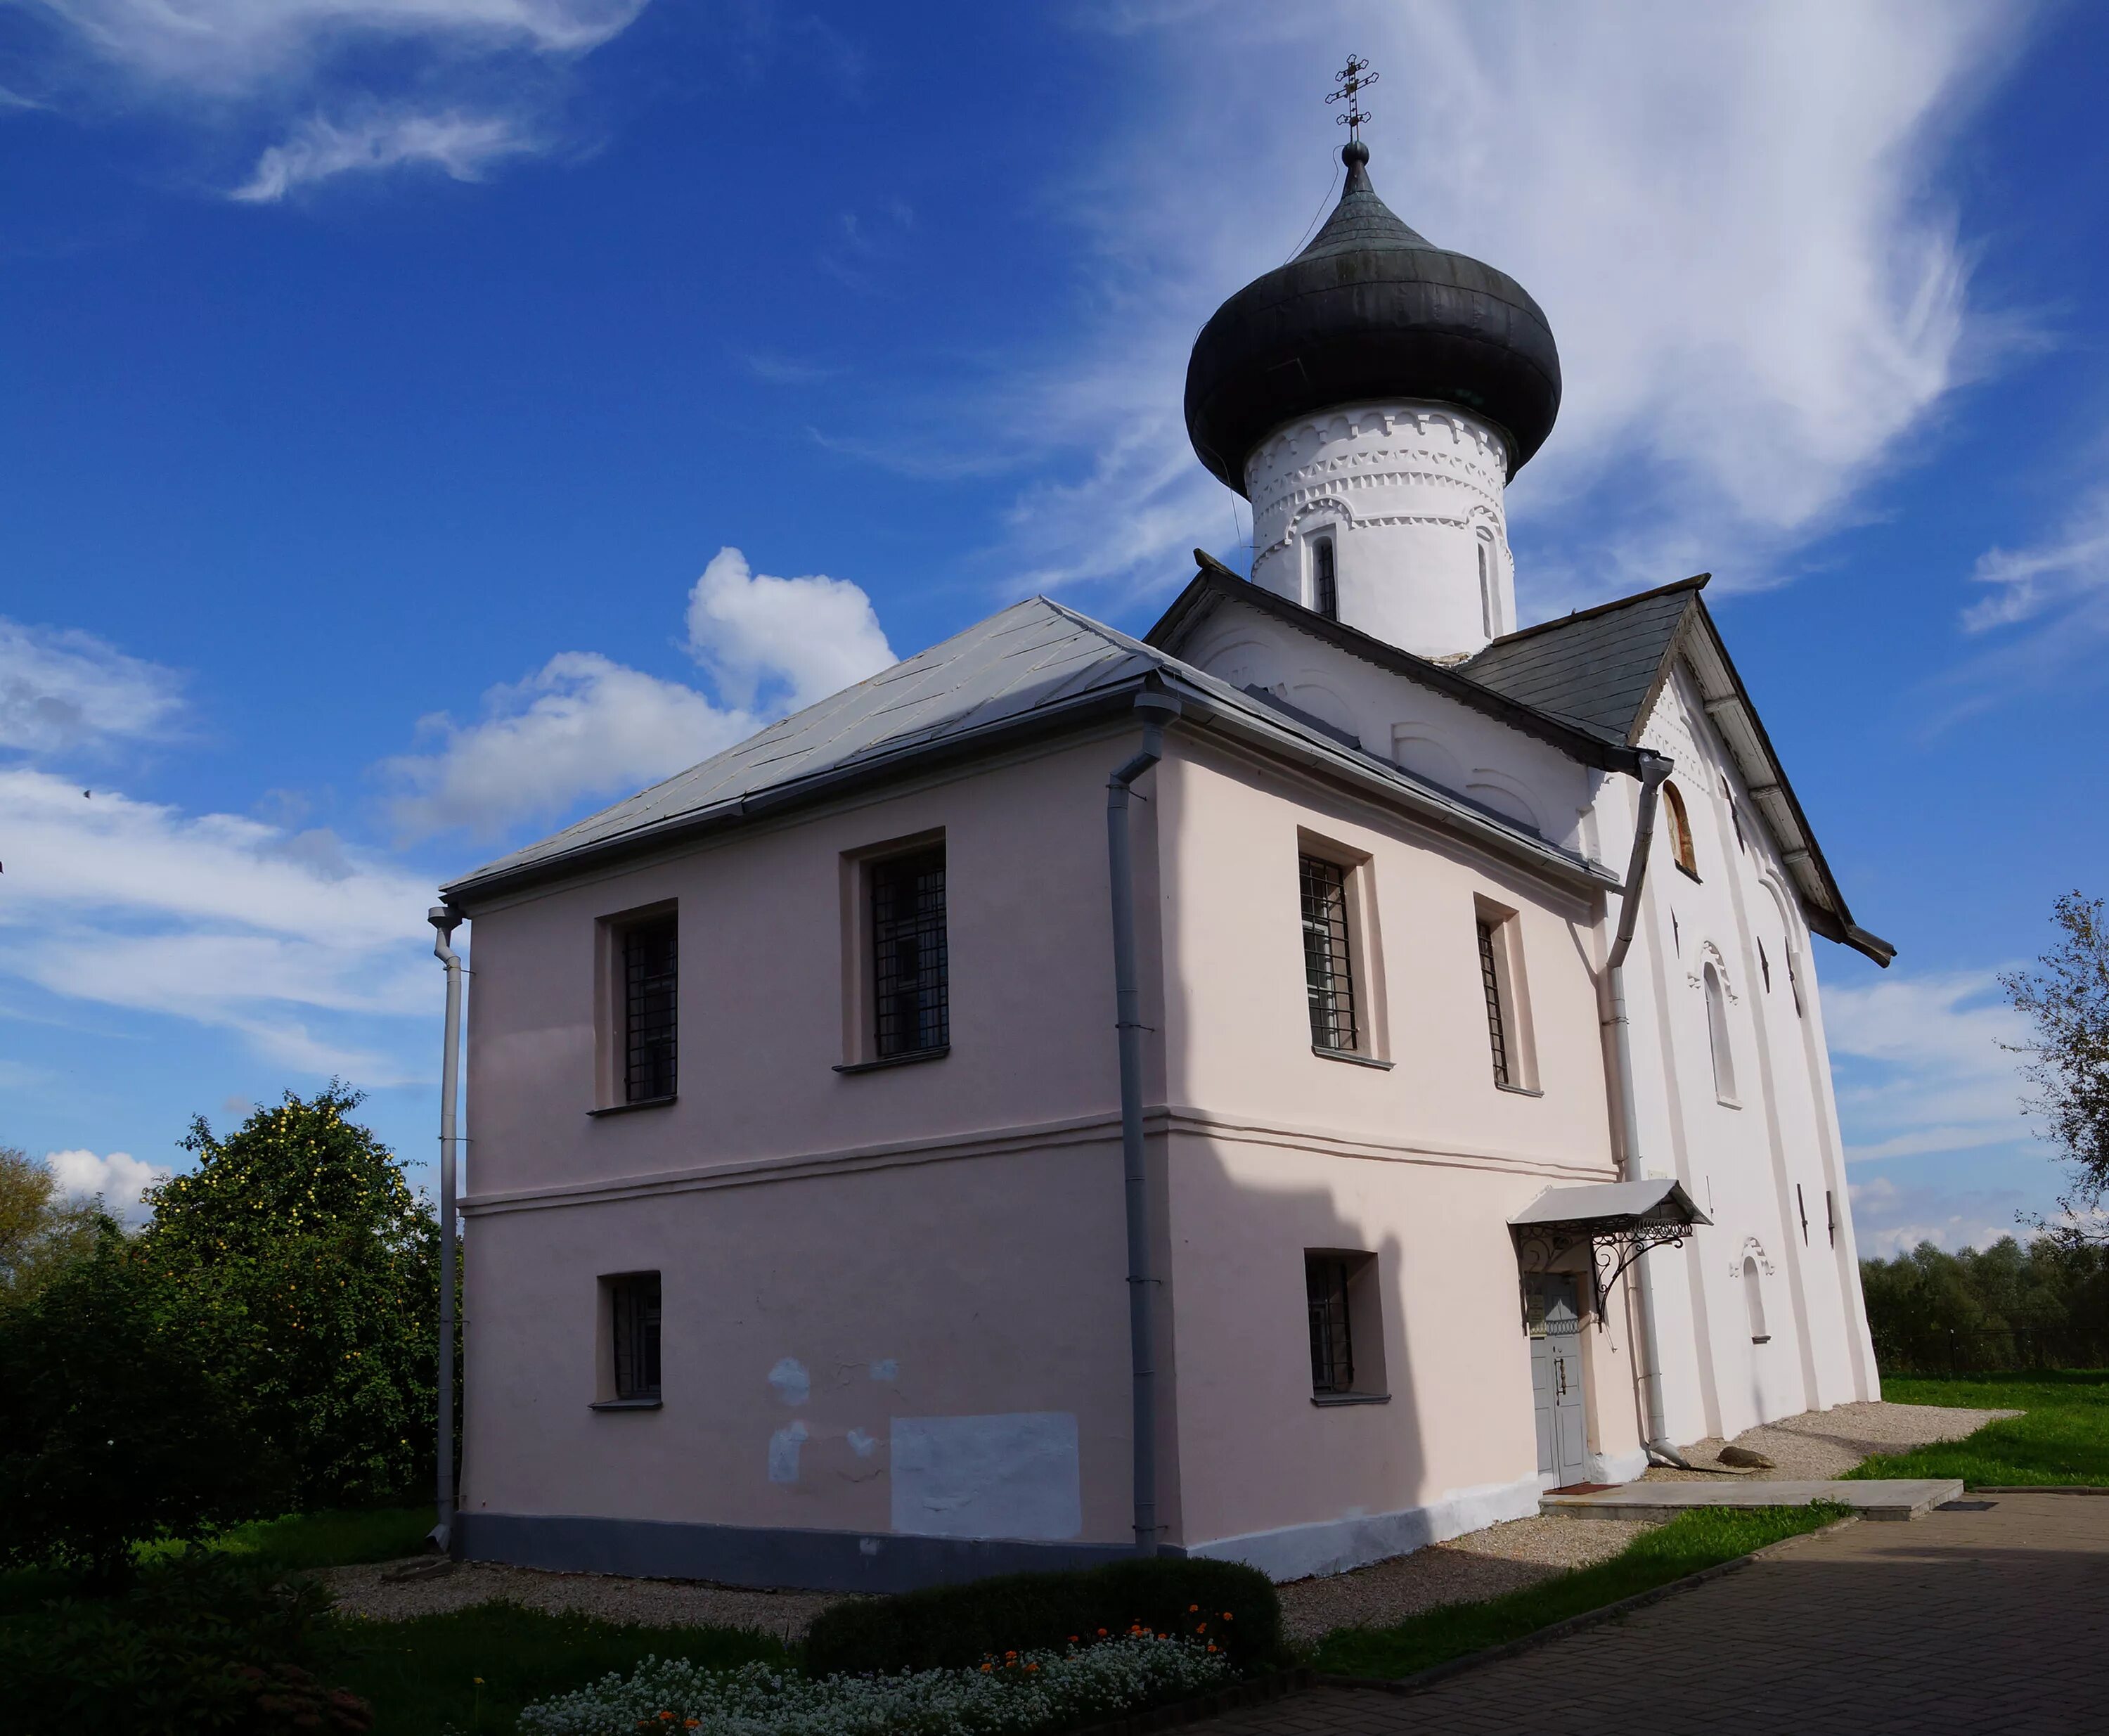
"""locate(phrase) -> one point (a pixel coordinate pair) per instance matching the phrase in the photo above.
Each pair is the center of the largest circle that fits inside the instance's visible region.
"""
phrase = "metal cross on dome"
(1353, 78)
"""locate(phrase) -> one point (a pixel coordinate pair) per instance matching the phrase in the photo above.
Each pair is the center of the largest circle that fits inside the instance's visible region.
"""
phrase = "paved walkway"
(1878, 1497)
(1958, 1622)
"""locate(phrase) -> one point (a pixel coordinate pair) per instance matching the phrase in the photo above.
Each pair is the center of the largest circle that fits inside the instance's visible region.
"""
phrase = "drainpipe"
(1155, 710)
(1654, 768)
(444, 920)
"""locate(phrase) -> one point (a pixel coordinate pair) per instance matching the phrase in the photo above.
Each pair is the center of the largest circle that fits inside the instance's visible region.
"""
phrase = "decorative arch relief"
(1751, 1249)
(1710, 954)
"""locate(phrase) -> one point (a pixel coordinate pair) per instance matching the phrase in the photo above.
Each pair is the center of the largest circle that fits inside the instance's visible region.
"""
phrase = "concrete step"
(1893, 1497)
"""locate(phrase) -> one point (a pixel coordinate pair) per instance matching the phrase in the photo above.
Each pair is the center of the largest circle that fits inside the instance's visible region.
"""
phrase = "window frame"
(1489, 610)
(1325, 575)
(863, 1028)
(1344, 1282)
(630, 1365)
(1754, 1300)
(1498, 954)
(611, 1009)
(1681, 848)
(1361, 949)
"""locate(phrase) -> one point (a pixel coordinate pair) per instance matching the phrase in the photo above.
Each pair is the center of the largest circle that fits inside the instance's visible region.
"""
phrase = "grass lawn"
(2063, 1439)
(421, 1675)
(1701, 1538)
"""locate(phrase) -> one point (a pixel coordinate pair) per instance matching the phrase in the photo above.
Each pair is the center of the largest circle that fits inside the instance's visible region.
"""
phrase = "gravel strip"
(1828, 1444)
(361, 1591)
(1466, 1570)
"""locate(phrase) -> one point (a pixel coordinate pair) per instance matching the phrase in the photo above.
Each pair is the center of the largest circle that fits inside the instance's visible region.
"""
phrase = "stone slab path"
(1878, 1497)
(1977, 1622)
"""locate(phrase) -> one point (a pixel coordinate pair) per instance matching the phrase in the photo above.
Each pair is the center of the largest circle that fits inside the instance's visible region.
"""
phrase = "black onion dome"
(1369, 311)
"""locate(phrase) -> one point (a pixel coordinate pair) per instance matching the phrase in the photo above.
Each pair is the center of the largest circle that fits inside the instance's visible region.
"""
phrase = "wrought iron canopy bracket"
(1615, 1244)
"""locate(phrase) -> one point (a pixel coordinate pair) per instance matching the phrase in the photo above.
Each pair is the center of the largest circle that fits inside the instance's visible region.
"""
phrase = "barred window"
(1328, 973)
(1332, 1340)
(910, 973)
(635, 1300)
(1325, 585)
(649, 964)
(1498, 1024)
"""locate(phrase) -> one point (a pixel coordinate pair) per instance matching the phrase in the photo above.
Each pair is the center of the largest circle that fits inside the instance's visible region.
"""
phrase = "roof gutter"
(1654, 769)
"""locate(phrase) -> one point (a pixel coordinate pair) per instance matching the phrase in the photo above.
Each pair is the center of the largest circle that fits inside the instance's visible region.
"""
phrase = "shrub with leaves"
(302, 1256)
(116, 1428)
(1225, 1603)
(1016, 1691)
(41, 1231)
(203, 1642)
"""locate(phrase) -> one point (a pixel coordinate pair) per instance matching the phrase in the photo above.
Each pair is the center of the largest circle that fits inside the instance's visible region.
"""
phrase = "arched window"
(1680, 831)
(1325, 585)
(1753, 1298)
(1716, 1037)
(1486, 613)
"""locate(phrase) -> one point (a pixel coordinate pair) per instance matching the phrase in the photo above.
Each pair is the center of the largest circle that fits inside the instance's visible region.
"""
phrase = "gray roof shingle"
(1598, 668)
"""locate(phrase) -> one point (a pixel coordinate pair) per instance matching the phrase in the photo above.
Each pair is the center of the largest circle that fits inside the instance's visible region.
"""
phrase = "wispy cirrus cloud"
(584, 725)
(460, 146)
(1924, 1065)
(472, 82)
(63, 690)
(1730, 215)
(294, 940)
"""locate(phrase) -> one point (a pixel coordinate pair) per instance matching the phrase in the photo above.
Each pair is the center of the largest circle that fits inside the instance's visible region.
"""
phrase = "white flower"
(1036, 1691)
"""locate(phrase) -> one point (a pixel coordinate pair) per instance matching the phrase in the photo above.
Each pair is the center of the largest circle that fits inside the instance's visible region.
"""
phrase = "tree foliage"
(41, 1232)
(2066, 998)
(301, 1253)
(1920, 1303)
(117, 1426)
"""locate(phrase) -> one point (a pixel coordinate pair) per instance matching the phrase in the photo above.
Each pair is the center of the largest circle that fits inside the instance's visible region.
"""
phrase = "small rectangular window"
(1830, 1217)
(1497, 1020)
(1324, 583)
(649, 984)
(1801, 1206)
(634, 1308)
(911, 965)
(1329, 980)
(1345, 1305)
(1332, 1334)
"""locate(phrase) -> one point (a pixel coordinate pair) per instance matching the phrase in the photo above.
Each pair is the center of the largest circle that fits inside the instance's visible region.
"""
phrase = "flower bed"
(1020, 1692)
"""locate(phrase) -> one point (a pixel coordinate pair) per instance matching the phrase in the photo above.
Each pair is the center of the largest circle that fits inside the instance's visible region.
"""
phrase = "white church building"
(1293, 1087)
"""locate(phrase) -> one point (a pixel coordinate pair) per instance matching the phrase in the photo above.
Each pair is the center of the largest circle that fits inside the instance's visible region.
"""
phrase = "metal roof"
(1036, 665)
(1658, 1199)
(1600, 668)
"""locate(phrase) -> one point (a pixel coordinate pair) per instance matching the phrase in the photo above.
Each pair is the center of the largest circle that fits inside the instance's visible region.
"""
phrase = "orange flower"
(985, 1668)
(1193, 1609)
(1227, 1614)
(1010, 1654)
(1033, 1666)
(1212, 1645)
(1202, 1629)
(1102, 1633)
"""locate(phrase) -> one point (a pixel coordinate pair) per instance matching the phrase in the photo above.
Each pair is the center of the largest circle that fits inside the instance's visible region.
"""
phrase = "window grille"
(1328, 974)
(1498, 1033)
(636, 1309)
(1332, 1344)
(649, 985)
(909, 955)
(1325, 586)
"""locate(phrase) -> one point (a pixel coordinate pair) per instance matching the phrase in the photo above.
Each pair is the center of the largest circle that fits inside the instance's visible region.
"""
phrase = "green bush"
(115, 1429)
(956, 1626)
(203, 1643)
(303, 1261)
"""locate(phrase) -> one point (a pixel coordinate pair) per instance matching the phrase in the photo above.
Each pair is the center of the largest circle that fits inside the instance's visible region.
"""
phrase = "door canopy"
(1618, 1222)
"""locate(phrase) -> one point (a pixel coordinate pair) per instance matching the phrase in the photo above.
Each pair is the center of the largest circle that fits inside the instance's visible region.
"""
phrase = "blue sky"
(380, 380)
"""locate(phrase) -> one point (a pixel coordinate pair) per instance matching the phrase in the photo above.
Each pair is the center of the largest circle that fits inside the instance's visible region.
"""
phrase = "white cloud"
(584, 725)
(581, 726)
(121, 1178)
(1724, 211)
(222, 45)
(1889, 1219)
(62, 691)
(815, 635)
(219, 918)
(462, 145)
(1920, 1067)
